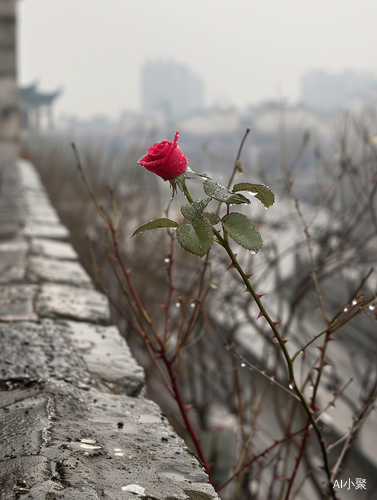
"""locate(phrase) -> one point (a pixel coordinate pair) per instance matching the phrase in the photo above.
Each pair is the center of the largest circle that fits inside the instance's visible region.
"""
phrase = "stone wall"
(9, 113)
(73, 420)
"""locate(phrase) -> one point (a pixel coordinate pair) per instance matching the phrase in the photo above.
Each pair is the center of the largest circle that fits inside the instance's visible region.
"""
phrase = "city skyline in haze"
(244, 54)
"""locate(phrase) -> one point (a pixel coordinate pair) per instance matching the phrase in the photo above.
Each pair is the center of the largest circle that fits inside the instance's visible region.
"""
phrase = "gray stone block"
(17, 303)
(53, 249)
(43, 215)
(37, 198)
(13, 246)
(58, 271)
(12, 266)
(107, 356)
(32, 351)
(64, 301)
(29, 177)
(34, 229)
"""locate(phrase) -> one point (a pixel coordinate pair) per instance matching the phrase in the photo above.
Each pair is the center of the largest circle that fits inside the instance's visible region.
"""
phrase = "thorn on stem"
(277, 322)
(260, 295)
(260, 314)
(232, 266)
(248, 275)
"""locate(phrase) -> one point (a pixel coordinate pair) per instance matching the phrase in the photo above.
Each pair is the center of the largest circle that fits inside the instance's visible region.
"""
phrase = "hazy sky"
(244, 50)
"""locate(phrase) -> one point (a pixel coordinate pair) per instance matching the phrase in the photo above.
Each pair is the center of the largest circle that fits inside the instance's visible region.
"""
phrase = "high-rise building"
(172, 87)
(328, 93)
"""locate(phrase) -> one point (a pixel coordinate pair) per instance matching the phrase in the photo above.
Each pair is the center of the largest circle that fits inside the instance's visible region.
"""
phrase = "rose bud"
(165, 159)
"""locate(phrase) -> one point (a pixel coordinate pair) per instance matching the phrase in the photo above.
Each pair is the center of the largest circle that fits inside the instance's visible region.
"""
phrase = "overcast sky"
(244, 50)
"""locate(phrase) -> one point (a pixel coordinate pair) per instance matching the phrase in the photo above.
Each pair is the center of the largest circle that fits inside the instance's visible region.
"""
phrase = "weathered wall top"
(73, 420)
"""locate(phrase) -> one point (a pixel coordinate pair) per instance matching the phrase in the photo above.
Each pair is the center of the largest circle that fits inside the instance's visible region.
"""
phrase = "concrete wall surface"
(73, 420)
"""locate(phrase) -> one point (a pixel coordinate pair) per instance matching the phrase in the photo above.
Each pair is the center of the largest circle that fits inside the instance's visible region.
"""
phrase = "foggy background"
(244, 52)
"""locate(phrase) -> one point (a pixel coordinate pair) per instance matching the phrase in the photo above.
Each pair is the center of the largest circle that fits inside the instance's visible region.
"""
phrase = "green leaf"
(155, 224)
(196, 237)
(243, 231)
(262, 193)
(192, 210)
(213, 218)
(220, 193)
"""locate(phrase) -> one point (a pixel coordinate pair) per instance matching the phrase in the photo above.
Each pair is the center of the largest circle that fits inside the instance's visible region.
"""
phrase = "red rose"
(165, 159)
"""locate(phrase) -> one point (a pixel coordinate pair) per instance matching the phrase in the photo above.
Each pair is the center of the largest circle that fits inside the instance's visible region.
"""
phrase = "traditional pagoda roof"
(31, 97)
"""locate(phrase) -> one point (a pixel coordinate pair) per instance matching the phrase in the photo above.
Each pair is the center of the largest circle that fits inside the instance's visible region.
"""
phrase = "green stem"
(186, 192)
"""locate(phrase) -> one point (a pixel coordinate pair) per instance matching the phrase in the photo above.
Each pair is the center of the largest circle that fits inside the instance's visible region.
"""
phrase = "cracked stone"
(107, 356)
(32, 351)
(12, 266)
(57, 271)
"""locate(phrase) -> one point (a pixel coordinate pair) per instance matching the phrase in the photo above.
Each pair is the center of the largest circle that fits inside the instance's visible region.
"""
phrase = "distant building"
(329, 93)
(35, 106)
(211, 122)
(171, 87)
